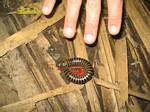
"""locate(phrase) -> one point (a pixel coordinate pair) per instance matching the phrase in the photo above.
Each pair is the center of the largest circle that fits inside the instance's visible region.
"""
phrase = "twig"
(106, 84)
(139, 95)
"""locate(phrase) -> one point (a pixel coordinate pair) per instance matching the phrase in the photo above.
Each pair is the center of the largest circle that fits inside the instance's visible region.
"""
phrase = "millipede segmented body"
(76, 70)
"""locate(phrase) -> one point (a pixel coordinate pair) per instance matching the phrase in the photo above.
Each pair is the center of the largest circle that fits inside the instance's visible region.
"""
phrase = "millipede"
(76, 70)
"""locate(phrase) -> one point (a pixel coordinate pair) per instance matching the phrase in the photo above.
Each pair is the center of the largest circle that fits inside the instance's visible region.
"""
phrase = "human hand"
(93, 9)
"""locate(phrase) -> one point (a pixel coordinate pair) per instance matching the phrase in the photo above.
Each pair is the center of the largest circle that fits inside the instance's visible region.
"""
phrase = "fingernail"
(68, 32)
(89, 39)
(45, 10)
(113, 29)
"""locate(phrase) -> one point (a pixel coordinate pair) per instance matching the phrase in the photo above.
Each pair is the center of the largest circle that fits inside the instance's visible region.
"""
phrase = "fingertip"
(68, 32)
(113, 29)
(89, 39)
(48, 6)
(46, 10)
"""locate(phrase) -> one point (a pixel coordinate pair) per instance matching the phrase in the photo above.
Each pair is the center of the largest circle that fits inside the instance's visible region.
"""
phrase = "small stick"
(139, 94)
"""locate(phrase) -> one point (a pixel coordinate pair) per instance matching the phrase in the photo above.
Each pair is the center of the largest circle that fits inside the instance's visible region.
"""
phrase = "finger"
(72, 13)
(48, 6)
(93, 8)
(114, 16)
